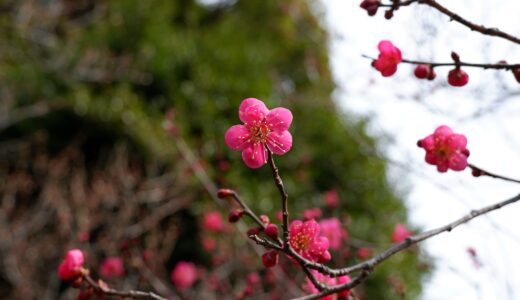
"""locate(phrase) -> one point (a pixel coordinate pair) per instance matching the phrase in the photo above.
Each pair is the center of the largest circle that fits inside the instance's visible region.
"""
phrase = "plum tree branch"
(457, 18)
(125, 294)
(481, 172)
(368, 266)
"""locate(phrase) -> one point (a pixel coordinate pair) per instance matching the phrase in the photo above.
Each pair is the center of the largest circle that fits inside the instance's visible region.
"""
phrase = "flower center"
(259, 132)
(300, 241)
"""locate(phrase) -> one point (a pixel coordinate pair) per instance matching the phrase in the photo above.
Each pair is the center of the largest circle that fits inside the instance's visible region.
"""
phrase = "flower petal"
(279, 142)
(255, 155)
(458, 162)
(279, 119)
(252, 111)
(237, 137)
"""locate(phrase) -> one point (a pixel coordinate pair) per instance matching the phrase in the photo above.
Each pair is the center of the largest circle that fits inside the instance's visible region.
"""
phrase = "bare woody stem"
(285, 197)
(125, 294)
(455, 17)
(462, 64)
(481, 172)
(368, 266)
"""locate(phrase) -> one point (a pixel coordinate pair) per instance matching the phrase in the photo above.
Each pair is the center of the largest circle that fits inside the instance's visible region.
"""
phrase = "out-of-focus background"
(112, 116)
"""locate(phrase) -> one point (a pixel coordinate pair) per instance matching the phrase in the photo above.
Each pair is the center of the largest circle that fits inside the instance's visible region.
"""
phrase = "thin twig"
(125, 294)
(367, 266)
(482, 172)
(285, 197)
(455, 17)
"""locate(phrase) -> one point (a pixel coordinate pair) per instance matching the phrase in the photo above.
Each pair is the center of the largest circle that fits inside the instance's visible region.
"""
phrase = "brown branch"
(367, 266)
(455, 17)
(497, 66)
(285, 197)
(125, 294)
(480, 172)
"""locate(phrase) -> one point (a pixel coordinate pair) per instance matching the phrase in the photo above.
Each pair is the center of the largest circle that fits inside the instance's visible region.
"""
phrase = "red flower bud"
(253, 231)
(224, 193)
(389, 14)
(432, 74)
(270, 259)
(455, 56)
(457, 77)
(271, 230)
(422, 71)
(264, 219)
(235, 215)
(370, 6)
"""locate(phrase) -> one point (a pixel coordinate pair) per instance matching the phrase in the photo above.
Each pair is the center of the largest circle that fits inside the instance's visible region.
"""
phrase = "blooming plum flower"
(212, 221)
(400, 233)
(70, 268)
(445, 149)
(332, 229)
(458, 77)
(184, 275)
(304, 238)
(262, 128)
(330, 281)
(389, 58)
(112, 267)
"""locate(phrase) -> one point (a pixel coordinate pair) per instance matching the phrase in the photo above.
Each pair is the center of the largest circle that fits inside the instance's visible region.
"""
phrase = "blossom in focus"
(70, 267)
(262, 127)
(304, 238)
(212, 221)
(400, 233)
(457, 77)
(330, 281)
(389, 58)
(112, 267)
(184, 275)
(332, 229)
(445, 149)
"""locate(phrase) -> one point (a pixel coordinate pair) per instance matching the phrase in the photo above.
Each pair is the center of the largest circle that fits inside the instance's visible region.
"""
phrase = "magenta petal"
(458, 162)
(443, 131)
(279, 119)
(431, 158)
(385, 46)
(457, 141)
(252, 111)
(428, 143)
(255, 156)
(279, 143)
(237, 137)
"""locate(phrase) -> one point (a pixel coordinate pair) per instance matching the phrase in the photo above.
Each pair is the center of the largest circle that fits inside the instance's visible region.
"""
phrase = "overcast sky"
(404, 109)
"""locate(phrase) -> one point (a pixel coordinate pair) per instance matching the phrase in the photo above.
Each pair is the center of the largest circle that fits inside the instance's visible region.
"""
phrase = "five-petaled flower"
(304, 238)
(445, 149)
(262, 127)
(71, 267)
(389, 58)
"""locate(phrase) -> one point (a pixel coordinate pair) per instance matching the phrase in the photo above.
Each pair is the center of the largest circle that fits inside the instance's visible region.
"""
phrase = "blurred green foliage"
(122, 64)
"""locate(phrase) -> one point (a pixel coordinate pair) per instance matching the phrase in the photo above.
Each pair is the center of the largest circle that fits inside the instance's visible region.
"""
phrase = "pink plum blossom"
(112, 267)
(70, 267)
(400, 233)
(445, 149)
(389, 58)
(304, 238)
(332, 229)
(184, 275)
(212, 221)
(262, 127)
(330, 281)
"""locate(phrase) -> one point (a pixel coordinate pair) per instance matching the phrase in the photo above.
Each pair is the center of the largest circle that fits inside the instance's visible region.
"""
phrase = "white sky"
(404, 109)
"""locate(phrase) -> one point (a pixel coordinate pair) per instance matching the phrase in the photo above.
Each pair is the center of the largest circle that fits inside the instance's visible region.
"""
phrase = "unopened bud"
(235, 215)
(224, 193)
(253, 231)
(389, 14)
(270, 259)
(264, 219)
(271, 230)
(455, 56)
